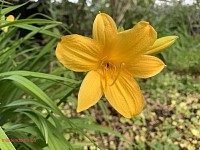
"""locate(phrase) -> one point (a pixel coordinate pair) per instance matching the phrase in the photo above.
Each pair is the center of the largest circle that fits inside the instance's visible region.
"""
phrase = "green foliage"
(38, 96)
(184, 55)
(22, 99)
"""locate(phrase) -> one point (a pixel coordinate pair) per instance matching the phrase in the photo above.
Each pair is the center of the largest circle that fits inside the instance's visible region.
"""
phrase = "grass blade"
(5, 145)
(34, 90)
(11, 8)
(38, 75)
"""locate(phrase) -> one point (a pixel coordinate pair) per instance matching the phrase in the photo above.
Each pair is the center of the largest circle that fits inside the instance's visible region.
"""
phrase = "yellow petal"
(146, 66)
(125, 96)
(161, 44)
(79, 53)
(90, 91)
(133, 42)
(104, 29)
(10, 18)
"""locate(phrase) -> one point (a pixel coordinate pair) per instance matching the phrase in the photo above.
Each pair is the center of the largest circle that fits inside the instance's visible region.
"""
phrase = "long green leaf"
(30, 21)
(5, 145)
(38, 75)
(53, 138)
(42, 30)
(34, 90)
(11, 8)
(22, 102)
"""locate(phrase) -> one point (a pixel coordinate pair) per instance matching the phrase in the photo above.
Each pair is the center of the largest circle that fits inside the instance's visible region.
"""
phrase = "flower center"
(111, 70)
(108, 66)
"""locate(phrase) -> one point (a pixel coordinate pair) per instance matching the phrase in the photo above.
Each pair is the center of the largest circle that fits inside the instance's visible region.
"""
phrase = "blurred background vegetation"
(36, 90)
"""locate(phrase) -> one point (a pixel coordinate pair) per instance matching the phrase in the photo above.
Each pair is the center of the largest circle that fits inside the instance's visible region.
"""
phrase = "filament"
(121, 66)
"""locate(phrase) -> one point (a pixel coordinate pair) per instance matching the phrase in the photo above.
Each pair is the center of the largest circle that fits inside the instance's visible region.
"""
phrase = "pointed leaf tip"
(161, 44)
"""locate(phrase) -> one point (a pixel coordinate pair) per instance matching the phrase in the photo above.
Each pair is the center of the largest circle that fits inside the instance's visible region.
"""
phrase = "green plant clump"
(38, 96)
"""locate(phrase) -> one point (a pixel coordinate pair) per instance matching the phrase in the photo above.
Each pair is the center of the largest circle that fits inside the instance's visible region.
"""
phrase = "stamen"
(102, 62)
(121, 66)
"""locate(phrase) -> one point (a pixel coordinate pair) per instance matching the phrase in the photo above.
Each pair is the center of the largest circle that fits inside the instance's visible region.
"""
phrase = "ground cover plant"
(38, 96)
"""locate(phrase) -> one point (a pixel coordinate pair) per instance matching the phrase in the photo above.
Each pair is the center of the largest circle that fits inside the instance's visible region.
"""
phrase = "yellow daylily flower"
(10, 18)
(112, 59)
